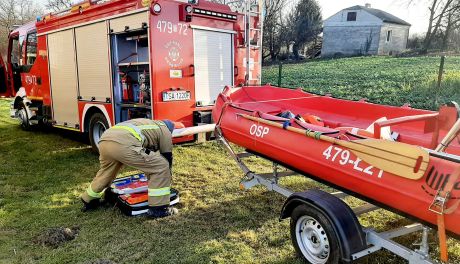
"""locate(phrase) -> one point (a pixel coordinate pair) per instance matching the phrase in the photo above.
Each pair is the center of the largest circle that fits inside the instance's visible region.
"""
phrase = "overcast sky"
(416, 15)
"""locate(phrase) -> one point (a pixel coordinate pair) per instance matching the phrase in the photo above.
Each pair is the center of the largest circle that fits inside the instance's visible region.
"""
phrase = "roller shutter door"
(213, 55)
(93, 62)
(131, 22)
(63, 75)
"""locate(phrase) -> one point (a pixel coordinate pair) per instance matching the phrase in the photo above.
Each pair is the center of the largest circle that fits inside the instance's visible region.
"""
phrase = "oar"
(453, 132)
(398, 158)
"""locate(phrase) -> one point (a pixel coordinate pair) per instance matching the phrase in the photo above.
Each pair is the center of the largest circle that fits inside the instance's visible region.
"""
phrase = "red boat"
(258, 118)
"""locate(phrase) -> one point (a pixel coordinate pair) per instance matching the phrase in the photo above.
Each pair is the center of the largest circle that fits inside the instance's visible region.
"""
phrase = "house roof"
(385, 16)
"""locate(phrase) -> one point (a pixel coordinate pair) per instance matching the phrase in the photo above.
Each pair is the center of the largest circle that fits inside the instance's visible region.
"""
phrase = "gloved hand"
(169, 157)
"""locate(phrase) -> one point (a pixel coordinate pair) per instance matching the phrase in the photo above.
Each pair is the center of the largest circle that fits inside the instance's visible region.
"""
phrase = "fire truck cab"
(103, 62)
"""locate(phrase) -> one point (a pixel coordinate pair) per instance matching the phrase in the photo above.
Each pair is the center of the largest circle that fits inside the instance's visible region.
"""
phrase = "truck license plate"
(176, 96)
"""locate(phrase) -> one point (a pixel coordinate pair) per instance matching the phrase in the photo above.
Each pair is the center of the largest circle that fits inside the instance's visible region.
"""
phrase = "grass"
(42, 174)
(386, 80)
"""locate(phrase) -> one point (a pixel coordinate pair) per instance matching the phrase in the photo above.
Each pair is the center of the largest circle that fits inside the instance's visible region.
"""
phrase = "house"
(362, 30)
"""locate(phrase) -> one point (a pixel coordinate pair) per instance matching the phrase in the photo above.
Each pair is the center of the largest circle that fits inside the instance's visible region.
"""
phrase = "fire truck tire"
(23, 116)
(97, 125)
(313, 236)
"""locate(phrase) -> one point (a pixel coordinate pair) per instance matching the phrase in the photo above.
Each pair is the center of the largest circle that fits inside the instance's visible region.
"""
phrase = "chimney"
(367, 5)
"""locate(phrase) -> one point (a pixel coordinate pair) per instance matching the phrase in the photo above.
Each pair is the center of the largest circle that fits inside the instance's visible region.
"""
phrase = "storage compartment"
(93, 71)
(63, 78)
(129, 23)
(132, 90)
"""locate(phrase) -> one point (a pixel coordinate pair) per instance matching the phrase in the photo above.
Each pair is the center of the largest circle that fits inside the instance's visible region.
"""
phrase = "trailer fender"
(351, 237)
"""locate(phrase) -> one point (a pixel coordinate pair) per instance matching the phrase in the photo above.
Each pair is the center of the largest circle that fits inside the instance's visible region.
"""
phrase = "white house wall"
(349, 41)
(363, 18)
(350, 38)
(398, 40)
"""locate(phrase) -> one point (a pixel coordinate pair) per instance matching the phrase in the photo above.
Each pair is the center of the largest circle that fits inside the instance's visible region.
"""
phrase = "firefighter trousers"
(114, 155)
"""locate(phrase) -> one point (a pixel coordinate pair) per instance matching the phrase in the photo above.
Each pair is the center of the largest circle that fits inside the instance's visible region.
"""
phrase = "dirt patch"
(101, 261)
(55, 236)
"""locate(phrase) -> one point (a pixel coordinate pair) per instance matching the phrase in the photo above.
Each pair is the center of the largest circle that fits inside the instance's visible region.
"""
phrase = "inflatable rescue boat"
(382, 154)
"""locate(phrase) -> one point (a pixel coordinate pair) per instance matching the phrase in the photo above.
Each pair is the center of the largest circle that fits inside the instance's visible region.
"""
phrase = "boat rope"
(224, 107)
(439, 207)
(286, 124)
(278, 100)
(255, 101)
(316, 134)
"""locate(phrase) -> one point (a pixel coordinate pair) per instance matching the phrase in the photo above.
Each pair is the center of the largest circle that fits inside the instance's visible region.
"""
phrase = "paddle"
(453, 132)
(400, 159)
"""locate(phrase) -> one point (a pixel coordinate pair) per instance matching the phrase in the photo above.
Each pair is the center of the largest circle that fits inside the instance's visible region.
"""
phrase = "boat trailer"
(314, 239)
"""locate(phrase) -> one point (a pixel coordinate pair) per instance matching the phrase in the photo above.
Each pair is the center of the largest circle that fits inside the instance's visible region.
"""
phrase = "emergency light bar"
(213, 14)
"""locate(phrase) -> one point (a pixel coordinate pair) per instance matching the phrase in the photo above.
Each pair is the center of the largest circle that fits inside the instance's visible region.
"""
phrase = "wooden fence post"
(280, 71)
(441, 72)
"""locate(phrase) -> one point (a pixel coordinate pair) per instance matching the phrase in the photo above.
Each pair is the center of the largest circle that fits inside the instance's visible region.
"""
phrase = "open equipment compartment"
(131, 75)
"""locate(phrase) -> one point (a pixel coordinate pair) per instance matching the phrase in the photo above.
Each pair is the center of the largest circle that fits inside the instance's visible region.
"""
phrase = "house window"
(351, 16)
(389, 33)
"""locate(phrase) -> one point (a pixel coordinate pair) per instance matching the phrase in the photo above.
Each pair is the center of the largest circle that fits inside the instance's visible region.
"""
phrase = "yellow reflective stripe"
(92, 193)
(160, 192)
(136, 130)
(143, 127)
(130, 129)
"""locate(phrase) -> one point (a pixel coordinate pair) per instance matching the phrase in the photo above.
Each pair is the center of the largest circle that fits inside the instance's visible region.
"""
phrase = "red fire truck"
(103, 62)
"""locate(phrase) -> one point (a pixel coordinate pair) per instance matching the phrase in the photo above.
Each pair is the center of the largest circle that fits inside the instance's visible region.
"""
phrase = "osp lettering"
(258, 131)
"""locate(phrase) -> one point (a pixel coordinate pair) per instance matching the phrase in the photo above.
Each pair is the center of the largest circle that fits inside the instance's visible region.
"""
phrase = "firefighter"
(145, 145)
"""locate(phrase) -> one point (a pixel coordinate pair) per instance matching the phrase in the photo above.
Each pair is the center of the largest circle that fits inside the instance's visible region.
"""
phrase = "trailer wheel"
(97, 125)
(23, 117)
(313, 236)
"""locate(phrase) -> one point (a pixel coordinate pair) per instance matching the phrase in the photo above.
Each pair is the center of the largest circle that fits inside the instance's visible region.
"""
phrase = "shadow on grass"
(63, 133)
(231, 231)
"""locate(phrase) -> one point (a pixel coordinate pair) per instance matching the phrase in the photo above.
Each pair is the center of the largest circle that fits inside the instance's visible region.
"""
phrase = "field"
(387, 80)
(42, 174)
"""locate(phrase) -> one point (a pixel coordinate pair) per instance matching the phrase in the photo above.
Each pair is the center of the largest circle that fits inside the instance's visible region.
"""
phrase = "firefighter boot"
(91, 205)
(109, 198)
(155, 212)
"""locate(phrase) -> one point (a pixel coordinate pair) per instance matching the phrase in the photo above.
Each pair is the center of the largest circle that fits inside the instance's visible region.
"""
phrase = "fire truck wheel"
(23, 117)
(97, 125)
(313, 236)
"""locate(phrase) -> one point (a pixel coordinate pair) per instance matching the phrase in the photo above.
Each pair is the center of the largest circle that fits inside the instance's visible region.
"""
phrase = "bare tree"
(235, 5)
(15, 12)
(56, 5)
(442, 19)
(368, 43)
(274, 31)
(439, 11)
(450, 24)
(305, 23)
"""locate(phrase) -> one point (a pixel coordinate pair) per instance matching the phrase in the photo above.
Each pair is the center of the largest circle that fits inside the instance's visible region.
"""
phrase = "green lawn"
(42, 174)
(385, 80)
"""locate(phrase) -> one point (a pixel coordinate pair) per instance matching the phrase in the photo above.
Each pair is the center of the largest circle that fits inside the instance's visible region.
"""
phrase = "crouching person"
(145, 145)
